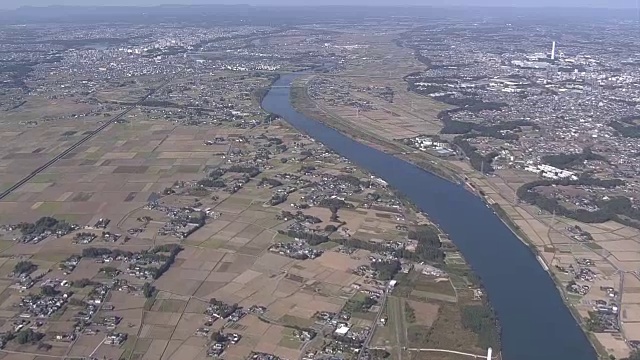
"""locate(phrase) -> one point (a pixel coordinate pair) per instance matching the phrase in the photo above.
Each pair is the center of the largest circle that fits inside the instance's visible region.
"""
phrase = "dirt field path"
(395, 308)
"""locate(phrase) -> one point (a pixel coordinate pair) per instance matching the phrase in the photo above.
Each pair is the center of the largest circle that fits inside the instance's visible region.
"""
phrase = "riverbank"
(445, 309)
(304, 104)
(301, 101)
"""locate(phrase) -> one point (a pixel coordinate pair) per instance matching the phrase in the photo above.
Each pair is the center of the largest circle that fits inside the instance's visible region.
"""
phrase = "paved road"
(366, 343)
(88, 137)
(451, 352)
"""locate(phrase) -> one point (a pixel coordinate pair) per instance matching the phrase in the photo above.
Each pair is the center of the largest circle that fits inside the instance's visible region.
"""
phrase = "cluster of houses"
(582, 273)
(183, 221)
(221, 310)
(141, 272)
(432, 271)
(180, 228)
(280, 195)
(426, 143)
(221, 342)
(303, 335)
(65, 337)
(346, 341)
(331, 318)
(297, 249)
(110, 322)
(24, 282)
(550, 172)
(88, 237)
(115, 338)
(94, 300)
(343, 333)
(263, 356)
(578, 234)
(41, 306)
(232, 313)
(585, 262)
(110, 237)
(606, 312)
(102, 223)
(575, 288)
(585, 274)
(345, 338)
(38, 237)
(365, 271)
(98, 294)
(84, 238)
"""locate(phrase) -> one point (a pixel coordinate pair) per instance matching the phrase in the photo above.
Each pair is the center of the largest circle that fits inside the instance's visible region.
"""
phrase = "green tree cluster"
(48, 290)
(24, 267)
(617, 208)
(92, 252)
(359, 304)
(211, 183)
(252, 171)
(43, 224)
(84, 282)
(28, 336)
(148, 290)
(564, 161)
(409, 313)
(481, 320)
(478, 161)
(626, 130)
(174, 250)
(594, 323)
(312, 238)
(387, 270)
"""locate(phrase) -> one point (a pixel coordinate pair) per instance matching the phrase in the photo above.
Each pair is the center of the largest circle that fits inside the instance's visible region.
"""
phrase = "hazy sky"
(8, 4)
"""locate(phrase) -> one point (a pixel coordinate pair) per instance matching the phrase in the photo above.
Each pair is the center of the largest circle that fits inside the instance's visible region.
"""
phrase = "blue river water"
(536, 324)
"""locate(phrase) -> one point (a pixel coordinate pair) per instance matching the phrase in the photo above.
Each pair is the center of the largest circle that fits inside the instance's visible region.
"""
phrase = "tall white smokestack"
(553, 50)
(489, 351)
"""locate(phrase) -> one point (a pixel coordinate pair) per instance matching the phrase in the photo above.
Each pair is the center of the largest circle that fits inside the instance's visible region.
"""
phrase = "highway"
(88, 137)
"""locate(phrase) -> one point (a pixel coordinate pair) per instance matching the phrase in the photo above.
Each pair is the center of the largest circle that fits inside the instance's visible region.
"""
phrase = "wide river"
(536, 324)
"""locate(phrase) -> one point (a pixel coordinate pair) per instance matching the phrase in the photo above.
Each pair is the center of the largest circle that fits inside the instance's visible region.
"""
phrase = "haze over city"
(10, 4)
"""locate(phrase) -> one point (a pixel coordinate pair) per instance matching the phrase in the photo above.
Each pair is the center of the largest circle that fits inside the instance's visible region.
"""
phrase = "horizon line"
(532, 6)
